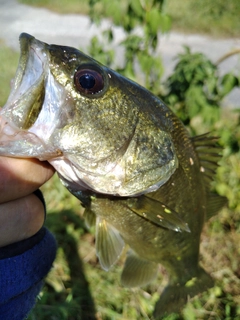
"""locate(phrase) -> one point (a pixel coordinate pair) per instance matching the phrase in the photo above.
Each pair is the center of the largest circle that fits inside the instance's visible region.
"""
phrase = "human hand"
(21, 211)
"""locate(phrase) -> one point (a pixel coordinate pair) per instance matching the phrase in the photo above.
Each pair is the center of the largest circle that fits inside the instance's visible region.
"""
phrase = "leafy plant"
(195, 90)
(139, 44)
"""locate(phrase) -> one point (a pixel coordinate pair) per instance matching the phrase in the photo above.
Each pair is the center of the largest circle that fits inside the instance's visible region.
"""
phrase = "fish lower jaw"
(77, 179)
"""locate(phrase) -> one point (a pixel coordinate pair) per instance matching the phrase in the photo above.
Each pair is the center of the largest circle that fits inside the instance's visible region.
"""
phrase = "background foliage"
(217, 18)
(77, 288)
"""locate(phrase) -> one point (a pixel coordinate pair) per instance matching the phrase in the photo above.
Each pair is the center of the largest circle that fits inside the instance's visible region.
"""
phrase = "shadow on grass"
(81, 304)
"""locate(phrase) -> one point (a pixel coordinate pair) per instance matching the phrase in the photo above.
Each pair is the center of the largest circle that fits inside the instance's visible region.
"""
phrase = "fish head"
(101, 131)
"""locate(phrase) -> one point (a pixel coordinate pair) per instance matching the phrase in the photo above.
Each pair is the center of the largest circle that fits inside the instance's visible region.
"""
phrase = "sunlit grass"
(61, 6)
(218, 18)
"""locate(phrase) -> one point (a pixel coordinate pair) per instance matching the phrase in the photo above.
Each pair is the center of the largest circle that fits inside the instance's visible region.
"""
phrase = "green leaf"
(154, 20)
(229, 81)
(137, 8)
(165, 23)
(114, 10)
(194, 99)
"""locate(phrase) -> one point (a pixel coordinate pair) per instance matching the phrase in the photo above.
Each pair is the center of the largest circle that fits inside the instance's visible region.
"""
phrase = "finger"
(20, 219)
(20, 177)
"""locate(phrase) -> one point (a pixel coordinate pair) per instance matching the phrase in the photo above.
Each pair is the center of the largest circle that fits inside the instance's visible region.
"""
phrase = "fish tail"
(175, 296)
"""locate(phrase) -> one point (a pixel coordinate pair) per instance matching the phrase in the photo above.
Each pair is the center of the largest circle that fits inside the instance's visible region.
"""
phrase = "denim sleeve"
(23, 265)
(22, 273)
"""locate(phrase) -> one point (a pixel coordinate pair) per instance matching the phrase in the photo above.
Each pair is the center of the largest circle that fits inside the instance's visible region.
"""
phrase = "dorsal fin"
(109, 243)
(208, 152)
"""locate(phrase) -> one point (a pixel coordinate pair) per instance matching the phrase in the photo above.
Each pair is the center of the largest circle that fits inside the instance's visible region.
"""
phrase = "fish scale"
(141, 178)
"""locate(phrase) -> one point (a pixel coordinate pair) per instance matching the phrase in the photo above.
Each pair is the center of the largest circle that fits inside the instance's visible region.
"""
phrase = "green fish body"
(142, 180)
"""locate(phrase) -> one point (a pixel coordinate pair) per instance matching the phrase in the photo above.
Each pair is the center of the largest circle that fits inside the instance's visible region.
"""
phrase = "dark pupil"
(87, 81)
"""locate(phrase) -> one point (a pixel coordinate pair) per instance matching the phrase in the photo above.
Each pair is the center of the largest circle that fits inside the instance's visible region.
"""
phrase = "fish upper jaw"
(31, 112)
(22, 107)
(36, 99)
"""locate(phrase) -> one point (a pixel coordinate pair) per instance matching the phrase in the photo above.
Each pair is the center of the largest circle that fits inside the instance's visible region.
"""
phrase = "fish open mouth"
(31, 112)
(28, 91)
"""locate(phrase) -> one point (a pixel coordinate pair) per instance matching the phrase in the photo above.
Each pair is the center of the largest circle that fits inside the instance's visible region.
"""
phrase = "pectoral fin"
(109, 243)
(138, 272)
(158, 213)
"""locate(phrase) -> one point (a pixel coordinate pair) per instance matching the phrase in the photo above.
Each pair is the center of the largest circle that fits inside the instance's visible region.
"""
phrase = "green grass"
(217, 18)
(8, 63)
(61, 6)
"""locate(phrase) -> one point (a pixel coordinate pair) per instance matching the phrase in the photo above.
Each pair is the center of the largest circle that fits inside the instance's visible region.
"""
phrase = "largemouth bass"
(142, 180)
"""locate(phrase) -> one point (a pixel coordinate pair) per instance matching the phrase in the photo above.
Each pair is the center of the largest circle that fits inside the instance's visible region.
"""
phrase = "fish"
(143, 181)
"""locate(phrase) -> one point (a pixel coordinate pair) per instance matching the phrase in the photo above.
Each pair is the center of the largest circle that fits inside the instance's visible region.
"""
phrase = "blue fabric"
(21, 278)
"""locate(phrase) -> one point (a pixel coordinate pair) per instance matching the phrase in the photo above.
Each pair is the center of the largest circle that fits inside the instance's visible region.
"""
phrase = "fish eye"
(88, 81)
